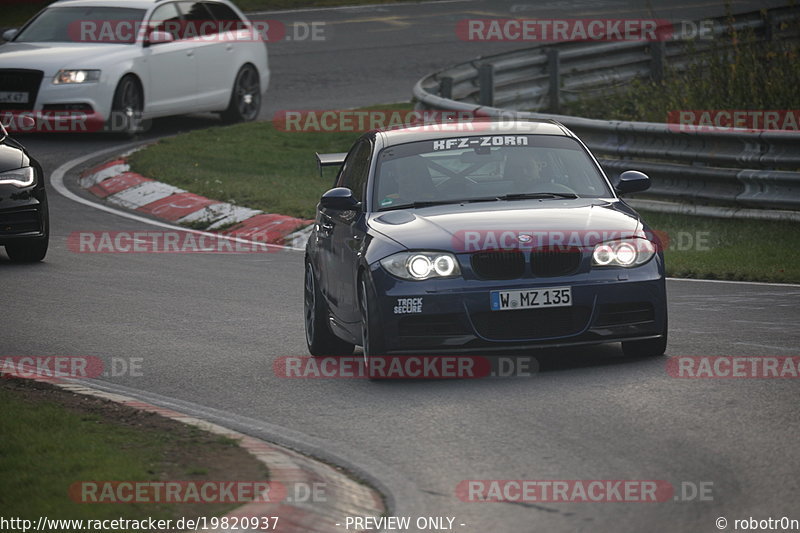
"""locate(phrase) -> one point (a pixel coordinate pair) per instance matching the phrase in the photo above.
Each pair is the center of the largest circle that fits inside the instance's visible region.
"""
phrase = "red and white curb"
(114, 182)
(297, 473)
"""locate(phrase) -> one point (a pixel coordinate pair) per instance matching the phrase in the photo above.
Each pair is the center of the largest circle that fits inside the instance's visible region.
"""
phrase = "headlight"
(418, 266)
(623, 252)
(76, 76)
(21, 177)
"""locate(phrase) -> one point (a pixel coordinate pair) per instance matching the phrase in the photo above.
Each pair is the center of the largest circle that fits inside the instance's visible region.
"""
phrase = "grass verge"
(742, 250)
(53, 438)
(253, 164)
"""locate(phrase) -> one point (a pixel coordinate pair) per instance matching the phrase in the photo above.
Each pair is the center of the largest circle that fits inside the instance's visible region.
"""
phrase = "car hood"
(51, 57)
(460, 227)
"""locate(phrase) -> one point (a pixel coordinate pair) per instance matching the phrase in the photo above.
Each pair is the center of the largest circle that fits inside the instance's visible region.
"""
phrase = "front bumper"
(609, 305)
(23, 213)
(53, 107)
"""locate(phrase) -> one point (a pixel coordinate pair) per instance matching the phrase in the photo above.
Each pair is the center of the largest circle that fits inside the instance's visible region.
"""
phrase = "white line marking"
(767, 346)
(737, 282)
(57, 182)
(773, 323)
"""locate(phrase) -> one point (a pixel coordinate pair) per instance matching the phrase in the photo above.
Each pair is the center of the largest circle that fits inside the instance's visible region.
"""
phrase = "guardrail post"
(486, 84)
(658, 57)
(446, 87)
(769, 26)
(554, 89)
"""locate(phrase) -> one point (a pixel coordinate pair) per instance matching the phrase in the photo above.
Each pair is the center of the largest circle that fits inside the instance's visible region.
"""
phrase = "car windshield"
(485, 168)
(83, 24)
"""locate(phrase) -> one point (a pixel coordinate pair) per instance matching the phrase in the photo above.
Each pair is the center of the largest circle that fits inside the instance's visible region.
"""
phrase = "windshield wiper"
(537, 195)
(429, 203)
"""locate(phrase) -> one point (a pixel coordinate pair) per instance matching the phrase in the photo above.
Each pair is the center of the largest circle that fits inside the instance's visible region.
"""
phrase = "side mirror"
(9, 34)
(159, 37)
(631, 181)
(340, 199)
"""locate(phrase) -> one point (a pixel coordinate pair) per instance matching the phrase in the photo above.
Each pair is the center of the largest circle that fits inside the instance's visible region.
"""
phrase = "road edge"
(339, 495)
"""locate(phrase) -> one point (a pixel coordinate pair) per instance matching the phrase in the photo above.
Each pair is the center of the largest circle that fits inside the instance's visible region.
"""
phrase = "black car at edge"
(24, 218)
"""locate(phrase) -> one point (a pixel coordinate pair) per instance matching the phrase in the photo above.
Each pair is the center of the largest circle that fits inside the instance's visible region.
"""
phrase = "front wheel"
(127, 109)
(30, 251)
(319, 338)
(245, 103)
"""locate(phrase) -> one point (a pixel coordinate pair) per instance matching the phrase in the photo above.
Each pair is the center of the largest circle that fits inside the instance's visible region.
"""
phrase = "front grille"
(531, 323)
(430, 326)
(20, 81)
(17, 222)
(555, 261)
(625, 314)
(498, 265)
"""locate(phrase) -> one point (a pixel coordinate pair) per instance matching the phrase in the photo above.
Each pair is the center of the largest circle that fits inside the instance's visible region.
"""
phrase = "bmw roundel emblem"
(524, 238)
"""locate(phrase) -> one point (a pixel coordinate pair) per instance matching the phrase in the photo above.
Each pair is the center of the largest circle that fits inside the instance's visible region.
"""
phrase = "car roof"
(473, 128)
(140, 4)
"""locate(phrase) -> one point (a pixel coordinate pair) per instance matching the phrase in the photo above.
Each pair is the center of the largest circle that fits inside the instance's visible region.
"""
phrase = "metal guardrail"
(745, 169)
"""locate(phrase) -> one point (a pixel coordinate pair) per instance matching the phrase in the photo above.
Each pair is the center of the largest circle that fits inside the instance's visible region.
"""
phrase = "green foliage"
(742, 73)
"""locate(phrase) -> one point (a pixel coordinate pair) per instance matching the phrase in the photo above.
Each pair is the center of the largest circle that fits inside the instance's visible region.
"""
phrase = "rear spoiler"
(329, 160)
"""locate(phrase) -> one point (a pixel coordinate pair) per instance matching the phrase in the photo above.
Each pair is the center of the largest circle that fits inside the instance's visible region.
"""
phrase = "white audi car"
(118, 63)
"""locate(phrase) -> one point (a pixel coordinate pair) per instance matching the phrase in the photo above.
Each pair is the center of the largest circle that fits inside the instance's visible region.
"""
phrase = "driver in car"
(524, 171)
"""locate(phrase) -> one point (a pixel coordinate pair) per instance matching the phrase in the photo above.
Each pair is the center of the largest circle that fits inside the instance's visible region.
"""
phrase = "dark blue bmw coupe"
(499, 235)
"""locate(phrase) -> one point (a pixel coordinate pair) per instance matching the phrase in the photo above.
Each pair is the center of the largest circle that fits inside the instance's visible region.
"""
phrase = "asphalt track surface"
(206, 328)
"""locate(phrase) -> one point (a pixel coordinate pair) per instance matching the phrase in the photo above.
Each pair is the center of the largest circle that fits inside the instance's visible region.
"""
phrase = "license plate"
(530, 298)
(8, 97)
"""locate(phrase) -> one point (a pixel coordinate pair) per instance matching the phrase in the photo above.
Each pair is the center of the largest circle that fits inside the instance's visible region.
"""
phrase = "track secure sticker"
(473, 142)
(406, 306)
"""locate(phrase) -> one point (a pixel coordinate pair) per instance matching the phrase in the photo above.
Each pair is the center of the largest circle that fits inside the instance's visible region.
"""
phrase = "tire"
(372, 345)
(245, 103)
(127, 108)
(32, 250)
(28, 251)
(319, 338)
